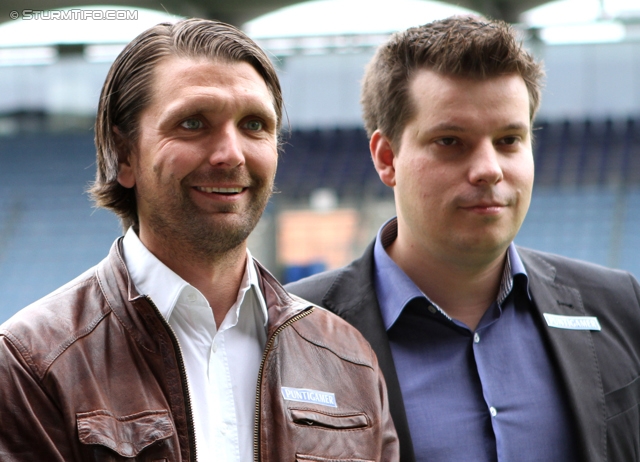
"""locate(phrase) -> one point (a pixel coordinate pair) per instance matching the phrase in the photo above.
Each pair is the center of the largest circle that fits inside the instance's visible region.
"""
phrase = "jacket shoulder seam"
(70, 341)
(59, 348)
(50, 359)
(24, 354)
(23, 351)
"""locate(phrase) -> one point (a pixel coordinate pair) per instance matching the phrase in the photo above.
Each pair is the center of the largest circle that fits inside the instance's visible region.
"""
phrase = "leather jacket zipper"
(256, 424)
(183, 376)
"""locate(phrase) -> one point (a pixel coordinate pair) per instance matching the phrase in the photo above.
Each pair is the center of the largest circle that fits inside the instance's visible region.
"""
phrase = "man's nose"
(226, 147)
(485, 165)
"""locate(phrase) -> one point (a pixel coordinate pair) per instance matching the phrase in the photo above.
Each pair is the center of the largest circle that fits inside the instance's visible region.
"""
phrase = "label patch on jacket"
(572, 322)
(304, 395)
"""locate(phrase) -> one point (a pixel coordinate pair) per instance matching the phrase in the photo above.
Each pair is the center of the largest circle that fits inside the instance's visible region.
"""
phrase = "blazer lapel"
(353, 297)
(574, 352)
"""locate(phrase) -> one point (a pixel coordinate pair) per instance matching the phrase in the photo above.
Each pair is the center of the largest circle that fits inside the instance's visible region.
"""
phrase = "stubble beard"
(186, 228)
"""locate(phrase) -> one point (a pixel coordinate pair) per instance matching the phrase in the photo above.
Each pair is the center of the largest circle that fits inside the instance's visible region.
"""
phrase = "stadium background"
(330, 202)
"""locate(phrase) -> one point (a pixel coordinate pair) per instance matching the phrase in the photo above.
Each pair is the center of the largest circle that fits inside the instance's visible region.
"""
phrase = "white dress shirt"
(222, 364)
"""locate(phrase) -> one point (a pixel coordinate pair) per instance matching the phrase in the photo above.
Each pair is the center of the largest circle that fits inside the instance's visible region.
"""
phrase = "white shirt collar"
(153, 278)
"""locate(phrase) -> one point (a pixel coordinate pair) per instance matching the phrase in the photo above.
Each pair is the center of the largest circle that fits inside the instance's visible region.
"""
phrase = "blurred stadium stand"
(586, 202)
(338, 158)
(49, 232)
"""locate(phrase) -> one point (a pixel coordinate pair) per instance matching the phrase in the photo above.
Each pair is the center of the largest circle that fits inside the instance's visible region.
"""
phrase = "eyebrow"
(181, 111)
(446, 127)
(457, 128)
(517, 126)
(186, 109)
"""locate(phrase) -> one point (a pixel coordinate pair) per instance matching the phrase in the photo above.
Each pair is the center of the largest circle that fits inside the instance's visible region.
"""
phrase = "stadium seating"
(49, 232)
(586, 201)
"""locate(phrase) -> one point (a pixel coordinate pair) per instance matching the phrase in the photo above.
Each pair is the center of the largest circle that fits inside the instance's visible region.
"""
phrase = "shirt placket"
(220, 379)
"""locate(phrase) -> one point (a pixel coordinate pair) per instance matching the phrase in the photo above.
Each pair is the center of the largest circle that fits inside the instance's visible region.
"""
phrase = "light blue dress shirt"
(493, 394)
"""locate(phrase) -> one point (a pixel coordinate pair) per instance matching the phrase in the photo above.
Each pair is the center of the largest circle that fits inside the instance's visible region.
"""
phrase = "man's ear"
(383, 158)
(126, 175)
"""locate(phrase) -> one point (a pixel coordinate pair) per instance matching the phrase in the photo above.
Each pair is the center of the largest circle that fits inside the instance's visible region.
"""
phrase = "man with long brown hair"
(179, 346)
(490, 351)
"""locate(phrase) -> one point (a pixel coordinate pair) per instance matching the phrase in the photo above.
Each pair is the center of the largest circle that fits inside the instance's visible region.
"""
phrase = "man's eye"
(447, 141)
(510, 140)
(254, 125)
(191, 124)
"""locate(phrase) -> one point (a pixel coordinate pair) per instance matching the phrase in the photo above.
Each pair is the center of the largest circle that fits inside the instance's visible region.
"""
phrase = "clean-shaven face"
(464, 168)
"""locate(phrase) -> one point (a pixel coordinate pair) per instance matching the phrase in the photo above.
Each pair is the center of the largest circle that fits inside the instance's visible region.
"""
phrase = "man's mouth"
(219, 190)
(484, 205)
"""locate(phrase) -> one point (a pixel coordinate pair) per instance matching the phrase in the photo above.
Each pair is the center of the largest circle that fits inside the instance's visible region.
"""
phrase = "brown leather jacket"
(92, 372)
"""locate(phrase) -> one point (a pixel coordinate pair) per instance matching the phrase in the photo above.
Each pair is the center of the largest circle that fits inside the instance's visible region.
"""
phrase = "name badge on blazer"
(572, 322)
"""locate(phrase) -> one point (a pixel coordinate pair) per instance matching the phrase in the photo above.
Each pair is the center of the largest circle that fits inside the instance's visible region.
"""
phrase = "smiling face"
(463, 171)
(206, 155)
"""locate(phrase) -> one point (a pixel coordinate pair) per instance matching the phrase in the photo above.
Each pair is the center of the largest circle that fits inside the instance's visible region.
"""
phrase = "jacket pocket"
(308, 458)
(125, 435)
(623, 399)
(333, 421)
(623, 422)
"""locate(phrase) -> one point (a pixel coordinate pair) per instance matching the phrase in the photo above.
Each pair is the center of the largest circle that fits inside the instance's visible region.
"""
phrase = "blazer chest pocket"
(623, 399)
(126, 436)
(623, 422)
(330, 421)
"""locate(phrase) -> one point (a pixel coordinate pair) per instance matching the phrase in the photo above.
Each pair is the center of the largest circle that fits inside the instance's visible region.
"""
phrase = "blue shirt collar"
(395, 289)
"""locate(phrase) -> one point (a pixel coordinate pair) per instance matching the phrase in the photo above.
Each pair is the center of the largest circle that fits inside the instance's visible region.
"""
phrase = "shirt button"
(432, 309)
(214, 347)
(191, 297)
(493, 411)
(476, 339)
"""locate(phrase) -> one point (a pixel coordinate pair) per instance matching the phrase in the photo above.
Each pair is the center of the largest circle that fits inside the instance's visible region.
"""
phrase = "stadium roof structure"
(240, 11)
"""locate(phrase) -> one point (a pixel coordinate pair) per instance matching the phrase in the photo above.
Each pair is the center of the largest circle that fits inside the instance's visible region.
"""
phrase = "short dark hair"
(127, 92)
(466, 46)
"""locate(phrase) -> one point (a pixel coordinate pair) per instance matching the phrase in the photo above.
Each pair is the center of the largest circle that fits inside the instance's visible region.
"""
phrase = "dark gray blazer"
(600, 370)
